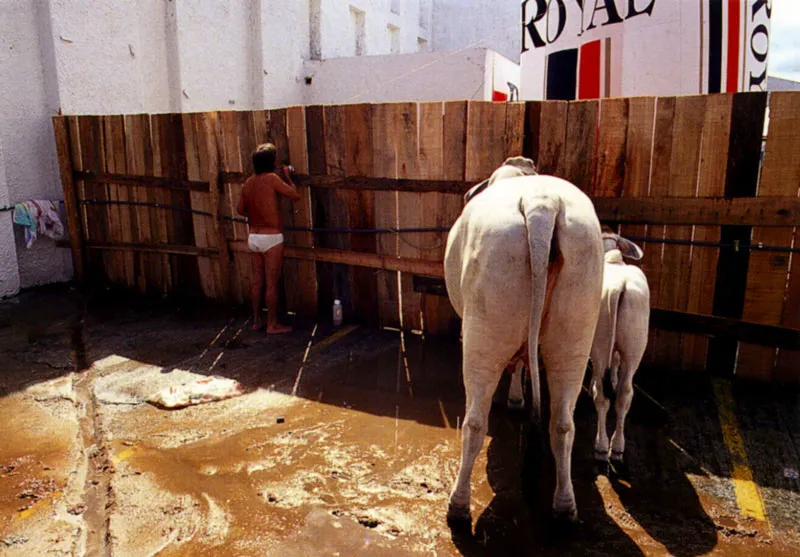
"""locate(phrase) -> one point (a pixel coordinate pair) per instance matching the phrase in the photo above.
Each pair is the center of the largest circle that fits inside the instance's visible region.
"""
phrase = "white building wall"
(338, 34)
(28, 98)
(494, 24)
(404, 77)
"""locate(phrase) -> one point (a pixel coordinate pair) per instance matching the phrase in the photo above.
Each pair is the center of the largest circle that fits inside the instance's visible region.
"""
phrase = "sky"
(784, 55)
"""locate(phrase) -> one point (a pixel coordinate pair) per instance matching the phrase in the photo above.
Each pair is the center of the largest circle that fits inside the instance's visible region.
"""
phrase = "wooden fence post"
(71, 204)
(211, 131)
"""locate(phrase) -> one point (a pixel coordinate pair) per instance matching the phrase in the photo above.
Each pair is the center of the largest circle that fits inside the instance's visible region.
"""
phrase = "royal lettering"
(760, 29)
(611, 13)
(547, 24)
(632, 11)
(762, 4)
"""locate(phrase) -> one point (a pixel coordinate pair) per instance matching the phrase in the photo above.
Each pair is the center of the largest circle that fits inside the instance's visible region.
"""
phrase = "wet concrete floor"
(346, 442)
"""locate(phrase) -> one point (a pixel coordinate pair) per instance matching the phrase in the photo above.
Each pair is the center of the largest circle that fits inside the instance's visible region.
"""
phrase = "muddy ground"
(345, 442)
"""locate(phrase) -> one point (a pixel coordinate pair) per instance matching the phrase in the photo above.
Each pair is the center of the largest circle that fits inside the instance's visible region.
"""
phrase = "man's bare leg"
(273, 261)
(257, 288)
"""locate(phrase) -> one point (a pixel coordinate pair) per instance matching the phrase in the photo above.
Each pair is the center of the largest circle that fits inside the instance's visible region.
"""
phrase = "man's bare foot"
(277, 328)
(257, 325)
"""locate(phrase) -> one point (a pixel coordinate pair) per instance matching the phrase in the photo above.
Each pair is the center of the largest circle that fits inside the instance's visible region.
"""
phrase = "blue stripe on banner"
(562, 75)
(714, 46)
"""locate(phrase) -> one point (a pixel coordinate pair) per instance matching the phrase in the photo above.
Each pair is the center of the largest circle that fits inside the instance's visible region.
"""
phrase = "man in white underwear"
(261, 205)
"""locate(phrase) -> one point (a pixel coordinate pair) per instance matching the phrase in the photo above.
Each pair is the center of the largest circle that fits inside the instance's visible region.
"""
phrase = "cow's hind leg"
(622, 406)
(602, 404)
(482, 369)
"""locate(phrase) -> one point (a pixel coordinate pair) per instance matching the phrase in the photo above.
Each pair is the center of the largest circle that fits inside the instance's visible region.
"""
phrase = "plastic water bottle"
(337, 313)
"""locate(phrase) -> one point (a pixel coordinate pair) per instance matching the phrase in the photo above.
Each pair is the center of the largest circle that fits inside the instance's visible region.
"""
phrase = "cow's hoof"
(566, 516)
(564, 523)
(601, 468)
(516, 405)
(458, 514)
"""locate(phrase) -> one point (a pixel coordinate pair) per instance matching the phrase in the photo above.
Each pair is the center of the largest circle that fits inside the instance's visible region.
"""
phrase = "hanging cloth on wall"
(38, 217)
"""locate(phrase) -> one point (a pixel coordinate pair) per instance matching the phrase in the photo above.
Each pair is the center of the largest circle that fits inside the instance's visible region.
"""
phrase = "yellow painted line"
(334, 337)
(748, 496)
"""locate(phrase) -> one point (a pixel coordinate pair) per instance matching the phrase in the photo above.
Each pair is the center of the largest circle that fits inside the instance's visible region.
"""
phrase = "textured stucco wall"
(338, 36)
(404, 77)
(9, 271)
(494, 25)
(28, 98)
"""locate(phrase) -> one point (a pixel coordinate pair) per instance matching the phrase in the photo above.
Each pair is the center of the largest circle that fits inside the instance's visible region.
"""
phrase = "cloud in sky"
(784, 47)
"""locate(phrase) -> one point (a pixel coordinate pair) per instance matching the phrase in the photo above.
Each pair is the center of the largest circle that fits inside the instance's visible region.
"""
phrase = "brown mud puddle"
(377, 484)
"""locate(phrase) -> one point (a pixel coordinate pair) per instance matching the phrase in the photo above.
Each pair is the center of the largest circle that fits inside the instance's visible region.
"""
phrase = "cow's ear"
(629, 249)
(475, 190)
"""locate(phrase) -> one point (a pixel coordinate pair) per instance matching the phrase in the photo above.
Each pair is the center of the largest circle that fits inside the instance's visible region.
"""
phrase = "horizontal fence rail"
(151, 200)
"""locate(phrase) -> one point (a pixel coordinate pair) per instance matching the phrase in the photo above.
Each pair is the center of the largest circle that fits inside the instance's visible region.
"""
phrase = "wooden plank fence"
(151, 205)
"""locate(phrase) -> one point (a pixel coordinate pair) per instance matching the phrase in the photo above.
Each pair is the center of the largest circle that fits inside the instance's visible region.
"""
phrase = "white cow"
(619, 342)
(524, 264)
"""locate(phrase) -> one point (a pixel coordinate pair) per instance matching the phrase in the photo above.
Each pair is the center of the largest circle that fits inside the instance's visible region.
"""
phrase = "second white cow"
(620, 341)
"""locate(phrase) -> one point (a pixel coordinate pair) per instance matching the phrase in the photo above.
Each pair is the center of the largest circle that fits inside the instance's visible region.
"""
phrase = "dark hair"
(264, 158)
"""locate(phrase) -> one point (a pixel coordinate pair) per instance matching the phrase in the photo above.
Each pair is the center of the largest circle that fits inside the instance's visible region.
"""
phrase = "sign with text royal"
(585, 49)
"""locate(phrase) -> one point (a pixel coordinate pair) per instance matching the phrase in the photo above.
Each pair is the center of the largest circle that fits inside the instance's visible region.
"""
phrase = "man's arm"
(285, 186)
(242, 208)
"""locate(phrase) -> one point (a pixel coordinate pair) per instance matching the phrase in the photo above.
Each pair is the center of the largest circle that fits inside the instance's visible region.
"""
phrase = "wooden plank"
(611, 148)
(455, 142)
(230, 160)
(638, 146)
(533, 116)
(704, 260)
(486, 145)
(198, 201)
(710, 211)
(184, 269)
(744, 159)
(687, 133)
(514, 134)
(140, 180)
(367, 260)
(335, 206)
(636, 180)
(787, 367)
(552, 138)
(208, 130)
(767, 274)
(305, 298)
(765, 335)
(114, 261)
(579, 151)
(135, 124)
(358, 161)
(80, 186)
(71, 204)
(167, 249)
(158, 219)
(384, 153)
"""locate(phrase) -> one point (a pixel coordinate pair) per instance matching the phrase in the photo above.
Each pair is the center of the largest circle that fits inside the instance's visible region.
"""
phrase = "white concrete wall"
(28, 98)
(492, 24)
(338, 36)
(9, 270)
(404, 77)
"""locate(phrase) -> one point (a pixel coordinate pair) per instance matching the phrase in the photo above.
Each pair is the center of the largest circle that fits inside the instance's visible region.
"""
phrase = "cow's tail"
(540, 220)
(609, 382)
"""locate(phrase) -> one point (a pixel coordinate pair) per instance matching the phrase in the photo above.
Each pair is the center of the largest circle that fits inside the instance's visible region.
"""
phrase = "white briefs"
(262, 243)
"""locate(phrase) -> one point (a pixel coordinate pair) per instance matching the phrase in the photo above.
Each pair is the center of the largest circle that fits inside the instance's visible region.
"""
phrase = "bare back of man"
(260, 203)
